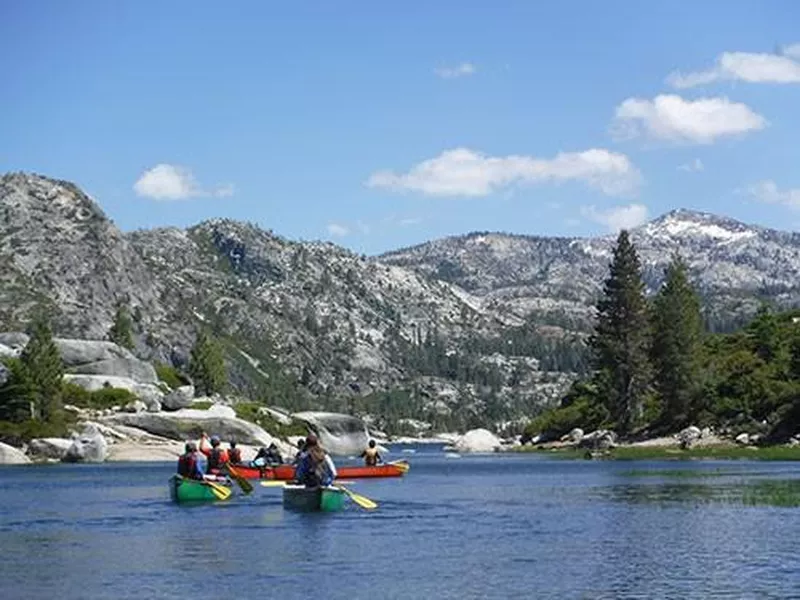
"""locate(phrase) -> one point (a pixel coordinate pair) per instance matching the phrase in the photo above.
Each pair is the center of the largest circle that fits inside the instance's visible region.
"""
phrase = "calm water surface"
(470, 527)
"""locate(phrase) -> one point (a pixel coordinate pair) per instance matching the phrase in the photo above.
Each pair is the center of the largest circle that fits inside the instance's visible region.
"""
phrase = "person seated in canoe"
(371, 456)
(216, 455)
(315, 468)
(301, 445)
(189, 465)
(268, 457)
(234, 454)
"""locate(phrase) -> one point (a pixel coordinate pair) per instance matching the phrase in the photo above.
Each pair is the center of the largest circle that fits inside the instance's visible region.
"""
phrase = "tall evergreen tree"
(207, 366)
(677, 339)
(43, 371)
(620, 340)
(16, 393)
(121, 331)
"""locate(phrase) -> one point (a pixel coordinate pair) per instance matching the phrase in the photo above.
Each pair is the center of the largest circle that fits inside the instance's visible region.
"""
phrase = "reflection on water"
(479, 527)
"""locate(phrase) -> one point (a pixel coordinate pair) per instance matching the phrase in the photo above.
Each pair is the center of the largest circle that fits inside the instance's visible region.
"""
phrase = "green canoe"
(191, 490)
(320, 499)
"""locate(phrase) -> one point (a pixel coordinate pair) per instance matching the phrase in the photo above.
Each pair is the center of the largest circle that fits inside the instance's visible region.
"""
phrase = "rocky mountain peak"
(683, 223)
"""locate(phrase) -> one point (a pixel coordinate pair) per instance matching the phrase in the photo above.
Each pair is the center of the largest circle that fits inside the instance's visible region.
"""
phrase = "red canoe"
(286, 472)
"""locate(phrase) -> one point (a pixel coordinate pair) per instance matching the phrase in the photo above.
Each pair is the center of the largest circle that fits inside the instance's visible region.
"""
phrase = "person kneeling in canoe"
(371, 456)
(315, 468)
(189, 463)
(234, 454)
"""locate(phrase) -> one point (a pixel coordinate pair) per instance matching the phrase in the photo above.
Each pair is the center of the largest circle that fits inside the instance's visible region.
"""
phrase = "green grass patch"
(170, 375)
(98, 399)
(782, 493)
(775, 453)
(677, 473)
(249, 411)
(202, 405)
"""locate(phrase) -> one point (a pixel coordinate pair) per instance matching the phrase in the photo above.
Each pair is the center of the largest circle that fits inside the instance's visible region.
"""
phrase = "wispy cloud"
(673, 119)
(173, 182)
(692, 167)
(465, 69)
(338, 230)
(463, 172)
(767, 191)
(782, 67)
(618, 217)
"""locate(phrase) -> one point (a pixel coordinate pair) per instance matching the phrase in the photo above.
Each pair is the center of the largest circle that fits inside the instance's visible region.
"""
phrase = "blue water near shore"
(471, 527)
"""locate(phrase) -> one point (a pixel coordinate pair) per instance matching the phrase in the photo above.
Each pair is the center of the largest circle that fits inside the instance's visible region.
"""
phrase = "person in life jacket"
(315, 468)
(234, 454)
(371, 456)
(189, 463)
(216, 455)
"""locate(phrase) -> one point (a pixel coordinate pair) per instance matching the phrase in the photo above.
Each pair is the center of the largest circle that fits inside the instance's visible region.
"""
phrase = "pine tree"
(43, 371)
(677, 338)
(121, 331)
(207, 366)
(620, 341)
(16, 393)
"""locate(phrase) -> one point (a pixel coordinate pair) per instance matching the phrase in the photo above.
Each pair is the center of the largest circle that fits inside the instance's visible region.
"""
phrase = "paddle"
(219, 491)
(274, 483)
(401, 464)
(362, 501)
(246, 486)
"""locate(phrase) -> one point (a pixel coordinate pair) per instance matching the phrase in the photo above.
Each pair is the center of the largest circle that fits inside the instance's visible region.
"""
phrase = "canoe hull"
(301, 498)
(286, 472)
(188, 490)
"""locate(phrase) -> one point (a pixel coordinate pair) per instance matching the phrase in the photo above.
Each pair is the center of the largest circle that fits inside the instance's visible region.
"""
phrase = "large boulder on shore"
(94, 357)
(601, 439)
(478, 440)
(181, 397)
(89, 446)
(188, 424)
(11, 456)
(53, 448)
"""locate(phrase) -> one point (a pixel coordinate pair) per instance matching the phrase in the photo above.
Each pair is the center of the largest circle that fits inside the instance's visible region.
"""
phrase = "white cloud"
(463, 70)
(463, 172)
(338, 230)
(172, 182)
(792, 51)
(692, 167)
(671, 118)
(745, 66)
(618, 217)
(408, 221)
(767, 191)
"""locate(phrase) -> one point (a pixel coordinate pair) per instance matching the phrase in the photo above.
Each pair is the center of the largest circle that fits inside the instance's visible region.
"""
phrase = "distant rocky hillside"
(466, 326)
(557, 279)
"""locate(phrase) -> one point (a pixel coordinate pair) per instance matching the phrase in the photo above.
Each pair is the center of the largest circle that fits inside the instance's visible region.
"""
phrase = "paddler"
(315, 467)
(216, 455)
(301, 446)
(234, 454)
(370, 455)
(189, 463)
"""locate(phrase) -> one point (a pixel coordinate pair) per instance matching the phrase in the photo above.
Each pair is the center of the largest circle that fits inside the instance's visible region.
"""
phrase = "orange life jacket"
(216, 458)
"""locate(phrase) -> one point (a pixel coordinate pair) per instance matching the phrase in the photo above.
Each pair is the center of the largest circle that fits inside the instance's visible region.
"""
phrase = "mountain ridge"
(317, 322)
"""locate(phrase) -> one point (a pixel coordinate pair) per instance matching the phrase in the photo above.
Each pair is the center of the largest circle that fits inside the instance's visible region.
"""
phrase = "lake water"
(472, 527)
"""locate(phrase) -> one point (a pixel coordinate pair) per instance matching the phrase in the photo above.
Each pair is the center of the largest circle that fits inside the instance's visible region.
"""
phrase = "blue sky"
(378, 126)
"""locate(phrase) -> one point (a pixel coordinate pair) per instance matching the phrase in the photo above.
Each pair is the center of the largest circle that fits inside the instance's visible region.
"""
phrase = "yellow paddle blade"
(402, 465)
(272, 483)
(220, 492)
(362, 501)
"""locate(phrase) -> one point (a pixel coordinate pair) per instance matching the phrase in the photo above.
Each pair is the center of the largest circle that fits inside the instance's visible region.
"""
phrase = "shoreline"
(640, 452)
